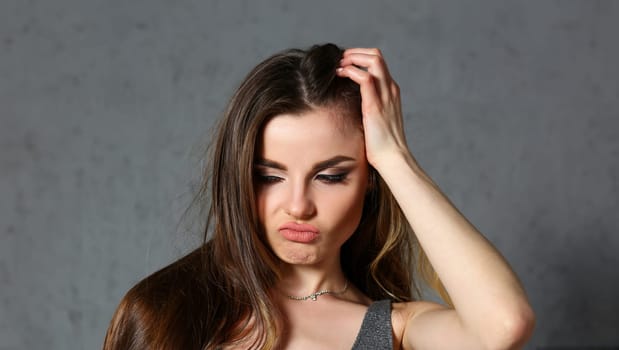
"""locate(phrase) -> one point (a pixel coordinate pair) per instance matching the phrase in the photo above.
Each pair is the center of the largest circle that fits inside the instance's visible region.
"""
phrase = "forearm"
(486, 293)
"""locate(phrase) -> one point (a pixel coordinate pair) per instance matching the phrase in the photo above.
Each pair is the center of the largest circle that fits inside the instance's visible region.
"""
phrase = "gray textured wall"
(512, 107)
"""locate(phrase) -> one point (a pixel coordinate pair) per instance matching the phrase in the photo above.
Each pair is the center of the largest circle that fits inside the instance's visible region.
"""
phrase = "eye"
(332, 179)
(268, 179)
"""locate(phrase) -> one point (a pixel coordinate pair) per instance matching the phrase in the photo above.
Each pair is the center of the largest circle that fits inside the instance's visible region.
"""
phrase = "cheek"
(344, 209)
(269, 202)
(262, 202)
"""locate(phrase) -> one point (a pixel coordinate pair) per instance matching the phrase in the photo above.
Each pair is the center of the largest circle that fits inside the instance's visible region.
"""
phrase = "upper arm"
(433, 326)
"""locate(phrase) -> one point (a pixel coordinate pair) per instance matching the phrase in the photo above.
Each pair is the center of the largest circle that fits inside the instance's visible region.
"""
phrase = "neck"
(301, 280)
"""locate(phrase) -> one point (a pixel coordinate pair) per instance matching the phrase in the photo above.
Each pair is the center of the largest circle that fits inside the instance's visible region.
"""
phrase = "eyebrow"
(331, 162)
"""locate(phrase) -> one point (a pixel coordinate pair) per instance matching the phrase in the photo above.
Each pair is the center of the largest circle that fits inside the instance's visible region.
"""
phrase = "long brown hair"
(219, 294)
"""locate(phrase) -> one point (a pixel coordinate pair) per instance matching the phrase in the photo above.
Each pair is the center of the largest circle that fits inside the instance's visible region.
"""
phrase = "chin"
(298, 257)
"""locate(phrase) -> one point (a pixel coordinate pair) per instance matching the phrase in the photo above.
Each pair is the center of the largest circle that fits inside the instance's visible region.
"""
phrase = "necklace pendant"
(314, 296)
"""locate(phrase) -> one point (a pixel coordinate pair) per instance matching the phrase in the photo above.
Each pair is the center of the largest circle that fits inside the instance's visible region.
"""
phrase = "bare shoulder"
(429, 325)
(404, 311)
(404, 314)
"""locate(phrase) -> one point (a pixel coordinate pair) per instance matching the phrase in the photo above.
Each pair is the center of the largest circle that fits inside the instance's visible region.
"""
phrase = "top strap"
(376, 332)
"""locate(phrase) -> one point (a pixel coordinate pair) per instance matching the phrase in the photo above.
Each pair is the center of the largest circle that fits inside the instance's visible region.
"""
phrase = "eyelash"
(332, 179)
(328, 179)
(268, 179)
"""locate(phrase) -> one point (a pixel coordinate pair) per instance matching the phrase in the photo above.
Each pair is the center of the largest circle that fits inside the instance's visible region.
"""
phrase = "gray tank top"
(376, 332)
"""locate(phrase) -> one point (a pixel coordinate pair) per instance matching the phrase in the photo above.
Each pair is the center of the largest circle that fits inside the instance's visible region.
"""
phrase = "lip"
(301, 233)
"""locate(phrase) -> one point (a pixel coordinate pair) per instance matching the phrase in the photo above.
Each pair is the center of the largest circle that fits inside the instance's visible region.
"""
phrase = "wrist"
(391, 167)
(392, 161)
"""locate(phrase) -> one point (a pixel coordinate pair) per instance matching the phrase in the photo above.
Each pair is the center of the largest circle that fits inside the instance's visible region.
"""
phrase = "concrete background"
(512, 107)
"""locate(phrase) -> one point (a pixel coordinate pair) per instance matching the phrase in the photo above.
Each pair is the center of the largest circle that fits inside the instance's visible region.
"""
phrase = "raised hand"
(491, 308)
(380, 104)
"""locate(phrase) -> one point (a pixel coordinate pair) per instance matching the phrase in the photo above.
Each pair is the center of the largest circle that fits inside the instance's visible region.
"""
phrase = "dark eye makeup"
(332, 179)
(325, 178)
(267, 179)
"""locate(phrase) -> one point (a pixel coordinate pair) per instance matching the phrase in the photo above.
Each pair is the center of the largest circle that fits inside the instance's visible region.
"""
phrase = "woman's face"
(311, 176)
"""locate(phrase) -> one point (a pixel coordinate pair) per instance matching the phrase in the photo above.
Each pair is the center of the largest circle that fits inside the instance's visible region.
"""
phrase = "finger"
(370, 101)
(367, 51)
(376, 66)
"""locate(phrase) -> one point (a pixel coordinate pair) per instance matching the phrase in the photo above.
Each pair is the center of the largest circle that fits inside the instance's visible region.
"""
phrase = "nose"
(300, 204)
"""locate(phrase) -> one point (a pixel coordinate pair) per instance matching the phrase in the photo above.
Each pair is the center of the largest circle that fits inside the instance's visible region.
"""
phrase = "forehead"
(312, 135)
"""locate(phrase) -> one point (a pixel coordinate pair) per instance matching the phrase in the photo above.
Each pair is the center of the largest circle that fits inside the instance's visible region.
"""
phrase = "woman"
(317, 208)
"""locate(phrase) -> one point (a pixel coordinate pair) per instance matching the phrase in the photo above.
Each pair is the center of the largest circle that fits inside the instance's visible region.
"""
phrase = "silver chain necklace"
(315, 295)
